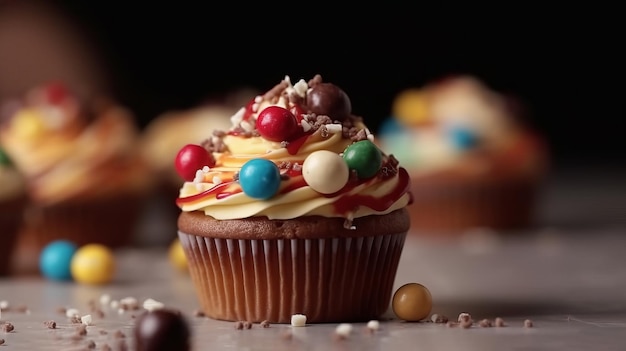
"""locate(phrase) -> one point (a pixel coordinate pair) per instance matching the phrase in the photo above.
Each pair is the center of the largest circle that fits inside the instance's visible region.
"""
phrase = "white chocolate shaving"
(301, 87)
(298, 320)
(71, 312)
(151, 304)
(105, 299)
(334, 128)
(86, 319)
(373, 325)
(343, 329)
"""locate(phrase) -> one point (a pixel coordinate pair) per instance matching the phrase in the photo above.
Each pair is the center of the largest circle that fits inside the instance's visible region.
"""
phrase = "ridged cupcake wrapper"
(328, 280)
(111, 222)
(11, 214)
(506, 206)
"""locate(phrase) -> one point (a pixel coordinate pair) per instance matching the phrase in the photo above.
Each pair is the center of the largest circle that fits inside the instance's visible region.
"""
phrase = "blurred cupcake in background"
(473, 162)
(85, 177)
(13, 200)
(161, 140)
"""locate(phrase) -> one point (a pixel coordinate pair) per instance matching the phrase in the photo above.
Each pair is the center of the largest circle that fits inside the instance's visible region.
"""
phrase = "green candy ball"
(364, 157)
(4, 158)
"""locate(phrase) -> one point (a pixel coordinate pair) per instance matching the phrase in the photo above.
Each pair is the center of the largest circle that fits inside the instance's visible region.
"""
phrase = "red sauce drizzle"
(343, 205)
(293, 186)
(298, 112)
(294, 146)
(214, 190)
(348, 203)
(249, 112)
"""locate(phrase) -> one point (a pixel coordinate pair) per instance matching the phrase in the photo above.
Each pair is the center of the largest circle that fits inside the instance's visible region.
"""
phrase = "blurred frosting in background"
(161, 140)
(472, 160)
(80, 158)
(167, 133)
(70, 149)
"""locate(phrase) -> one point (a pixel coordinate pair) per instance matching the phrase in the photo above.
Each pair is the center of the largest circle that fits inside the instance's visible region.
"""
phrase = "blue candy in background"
(55, 260)
(462, 138)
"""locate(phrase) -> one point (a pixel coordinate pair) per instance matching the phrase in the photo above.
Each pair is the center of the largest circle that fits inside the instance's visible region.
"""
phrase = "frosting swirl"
(459, 125)
(295, 151)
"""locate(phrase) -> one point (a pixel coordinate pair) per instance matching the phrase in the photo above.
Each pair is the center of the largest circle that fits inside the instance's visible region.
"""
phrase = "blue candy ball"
(55, 260)
(462, 138)
(390, 126)
(259, 178)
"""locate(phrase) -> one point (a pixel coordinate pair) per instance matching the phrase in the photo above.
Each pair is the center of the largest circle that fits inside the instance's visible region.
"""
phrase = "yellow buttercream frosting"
(217, 191)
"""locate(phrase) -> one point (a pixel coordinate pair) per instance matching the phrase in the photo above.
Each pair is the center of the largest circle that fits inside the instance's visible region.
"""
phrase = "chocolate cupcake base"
(311, 265)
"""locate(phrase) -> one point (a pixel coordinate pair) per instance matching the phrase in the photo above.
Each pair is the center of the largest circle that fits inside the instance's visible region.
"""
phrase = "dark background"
(566, 66)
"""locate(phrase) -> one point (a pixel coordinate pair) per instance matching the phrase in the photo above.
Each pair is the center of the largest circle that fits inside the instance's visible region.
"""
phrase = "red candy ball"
(190, 159)
(55, 92)
(275, 123)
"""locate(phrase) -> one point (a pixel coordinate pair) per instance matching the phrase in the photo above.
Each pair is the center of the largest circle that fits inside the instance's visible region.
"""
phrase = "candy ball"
(190, 159)
(162, 329)
(55, 260)
(93, 264)
(364, 157)
(277, 124)
(4, 158)
(462, 138)
(56, 92)
(325, 171)
(177, 257)
(410, 107)
(328, 99)
(412, 302)
(259, 178)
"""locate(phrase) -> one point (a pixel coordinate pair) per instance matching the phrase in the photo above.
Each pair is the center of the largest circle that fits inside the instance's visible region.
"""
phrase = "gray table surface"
(566, 275)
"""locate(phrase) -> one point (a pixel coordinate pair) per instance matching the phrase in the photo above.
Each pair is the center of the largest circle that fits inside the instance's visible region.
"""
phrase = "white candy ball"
(325, 171)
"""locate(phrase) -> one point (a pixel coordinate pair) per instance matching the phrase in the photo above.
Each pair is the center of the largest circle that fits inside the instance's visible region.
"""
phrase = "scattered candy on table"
(412, 302)
(162, 329)
(55, 260)
(177, 255)
(93, 264)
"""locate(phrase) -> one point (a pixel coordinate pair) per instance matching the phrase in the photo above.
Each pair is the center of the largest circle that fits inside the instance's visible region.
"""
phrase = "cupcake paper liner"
(454, 207)
(111, 222)
(328, 280)
(11, 215)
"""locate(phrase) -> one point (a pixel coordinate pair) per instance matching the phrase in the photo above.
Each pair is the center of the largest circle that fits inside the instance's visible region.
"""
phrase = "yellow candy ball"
(28, 123)
(177, 256)
(412, 302)
(411, 107)
(93, 264)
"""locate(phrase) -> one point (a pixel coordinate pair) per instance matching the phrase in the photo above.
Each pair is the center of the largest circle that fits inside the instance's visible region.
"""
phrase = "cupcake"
(85, 179)
(164, 136)
(293, 210)
(473, 162)
(12, 202)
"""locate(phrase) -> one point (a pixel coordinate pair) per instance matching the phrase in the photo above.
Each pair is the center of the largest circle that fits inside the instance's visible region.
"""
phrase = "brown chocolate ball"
(162, 330)
(328, 99)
